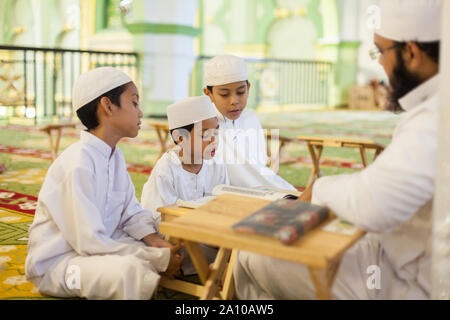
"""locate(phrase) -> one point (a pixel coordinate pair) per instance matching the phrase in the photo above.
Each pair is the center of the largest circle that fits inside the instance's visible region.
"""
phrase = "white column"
(441, 214)
(161, 32)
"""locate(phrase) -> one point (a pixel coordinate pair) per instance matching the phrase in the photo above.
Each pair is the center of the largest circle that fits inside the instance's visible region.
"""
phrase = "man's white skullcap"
(410, 20)
(190, 110)
(93, 83)
(224, 69)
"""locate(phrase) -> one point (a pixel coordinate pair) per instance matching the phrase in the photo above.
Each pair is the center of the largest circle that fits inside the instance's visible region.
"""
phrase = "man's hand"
(176, 261)
(306, 194)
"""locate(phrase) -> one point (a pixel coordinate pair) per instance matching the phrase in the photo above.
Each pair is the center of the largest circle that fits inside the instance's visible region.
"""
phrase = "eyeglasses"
(375, 52)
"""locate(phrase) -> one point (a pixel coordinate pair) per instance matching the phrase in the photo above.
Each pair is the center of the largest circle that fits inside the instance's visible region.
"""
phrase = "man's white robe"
(391, 199)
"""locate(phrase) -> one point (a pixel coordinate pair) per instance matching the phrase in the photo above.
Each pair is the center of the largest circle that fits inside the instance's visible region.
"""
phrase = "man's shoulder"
(422, 114)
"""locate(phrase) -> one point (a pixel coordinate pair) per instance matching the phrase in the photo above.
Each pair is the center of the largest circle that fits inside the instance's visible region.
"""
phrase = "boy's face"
(127, 118)
(202, 142)
(230, 99)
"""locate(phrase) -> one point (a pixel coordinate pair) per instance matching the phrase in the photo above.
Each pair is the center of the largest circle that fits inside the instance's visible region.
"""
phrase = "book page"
(194, 203)
(340, 226)
(265, 193)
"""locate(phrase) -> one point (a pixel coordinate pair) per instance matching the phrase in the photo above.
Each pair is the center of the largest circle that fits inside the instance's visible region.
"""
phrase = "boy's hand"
(154, 240)
(176, 261)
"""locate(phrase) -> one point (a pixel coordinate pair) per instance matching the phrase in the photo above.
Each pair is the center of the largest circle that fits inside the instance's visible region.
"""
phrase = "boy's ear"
(176, 136)
(105, 105)
(248, 86)
(208, 93)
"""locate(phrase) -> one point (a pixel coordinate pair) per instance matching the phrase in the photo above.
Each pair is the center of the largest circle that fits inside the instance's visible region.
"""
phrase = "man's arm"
(390, 190)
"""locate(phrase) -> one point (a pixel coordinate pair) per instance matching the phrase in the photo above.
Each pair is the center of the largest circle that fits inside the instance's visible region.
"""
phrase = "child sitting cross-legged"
(90, 236)
(189, 170)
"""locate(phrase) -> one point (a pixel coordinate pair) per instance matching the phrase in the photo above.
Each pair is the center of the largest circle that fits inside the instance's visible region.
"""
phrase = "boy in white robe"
(188, 171)
(90, 236)
(243, 146)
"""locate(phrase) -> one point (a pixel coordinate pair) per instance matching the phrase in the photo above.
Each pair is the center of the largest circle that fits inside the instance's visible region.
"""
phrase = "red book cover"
(284, 219)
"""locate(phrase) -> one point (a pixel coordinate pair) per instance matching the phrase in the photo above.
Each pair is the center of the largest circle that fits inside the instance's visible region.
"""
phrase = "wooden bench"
(58, 127)
(317, 143)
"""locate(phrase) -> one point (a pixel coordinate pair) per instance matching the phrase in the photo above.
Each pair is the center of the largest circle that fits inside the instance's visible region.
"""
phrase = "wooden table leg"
(58, 139)
(362, 151)
(52, 147)
(323, 279)
(377, 153)
(162, 137)
(228, 290)
(212, 284)
(198, 259)
(315, 171)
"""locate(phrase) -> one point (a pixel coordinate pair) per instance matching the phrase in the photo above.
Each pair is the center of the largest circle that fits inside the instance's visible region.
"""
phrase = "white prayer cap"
(93, 83)
(410, 20)
(190, 110)
(224, 69)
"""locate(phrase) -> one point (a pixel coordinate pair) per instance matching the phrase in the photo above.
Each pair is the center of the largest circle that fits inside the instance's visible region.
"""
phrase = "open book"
(284, 219)
(263, 192)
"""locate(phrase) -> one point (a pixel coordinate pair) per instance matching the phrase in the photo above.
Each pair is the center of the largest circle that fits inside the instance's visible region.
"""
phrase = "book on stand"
(263, 192)
(284, 219)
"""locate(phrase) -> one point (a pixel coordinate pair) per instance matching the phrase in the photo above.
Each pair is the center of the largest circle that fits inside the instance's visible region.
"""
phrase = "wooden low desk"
(317, 143)
(170, 213)
(211, 224)
(58, 127)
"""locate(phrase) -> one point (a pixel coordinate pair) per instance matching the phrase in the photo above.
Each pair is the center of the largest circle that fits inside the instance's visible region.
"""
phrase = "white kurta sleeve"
(72, 207)
(136, 221)
(158, 191)
(390, 190)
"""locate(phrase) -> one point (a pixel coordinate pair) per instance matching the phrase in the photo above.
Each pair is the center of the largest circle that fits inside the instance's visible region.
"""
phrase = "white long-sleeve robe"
(169, 182)
(391, 199)
(243, 149)
(87, 209)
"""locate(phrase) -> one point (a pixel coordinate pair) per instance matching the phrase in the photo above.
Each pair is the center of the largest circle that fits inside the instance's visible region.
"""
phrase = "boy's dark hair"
(188, 128)
(88, 113)
(210, 88)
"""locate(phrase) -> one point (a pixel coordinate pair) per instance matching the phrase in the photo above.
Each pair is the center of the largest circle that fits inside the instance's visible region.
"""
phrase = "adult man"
(391, 199)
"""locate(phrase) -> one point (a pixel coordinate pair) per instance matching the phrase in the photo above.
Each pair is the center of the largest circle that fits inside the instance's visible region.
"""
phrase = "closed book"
(284, 219)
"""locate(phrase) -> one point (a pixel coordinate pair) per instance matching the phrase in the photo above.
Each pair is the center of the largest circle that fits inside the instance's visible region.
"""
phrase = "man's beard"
(401, 82)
